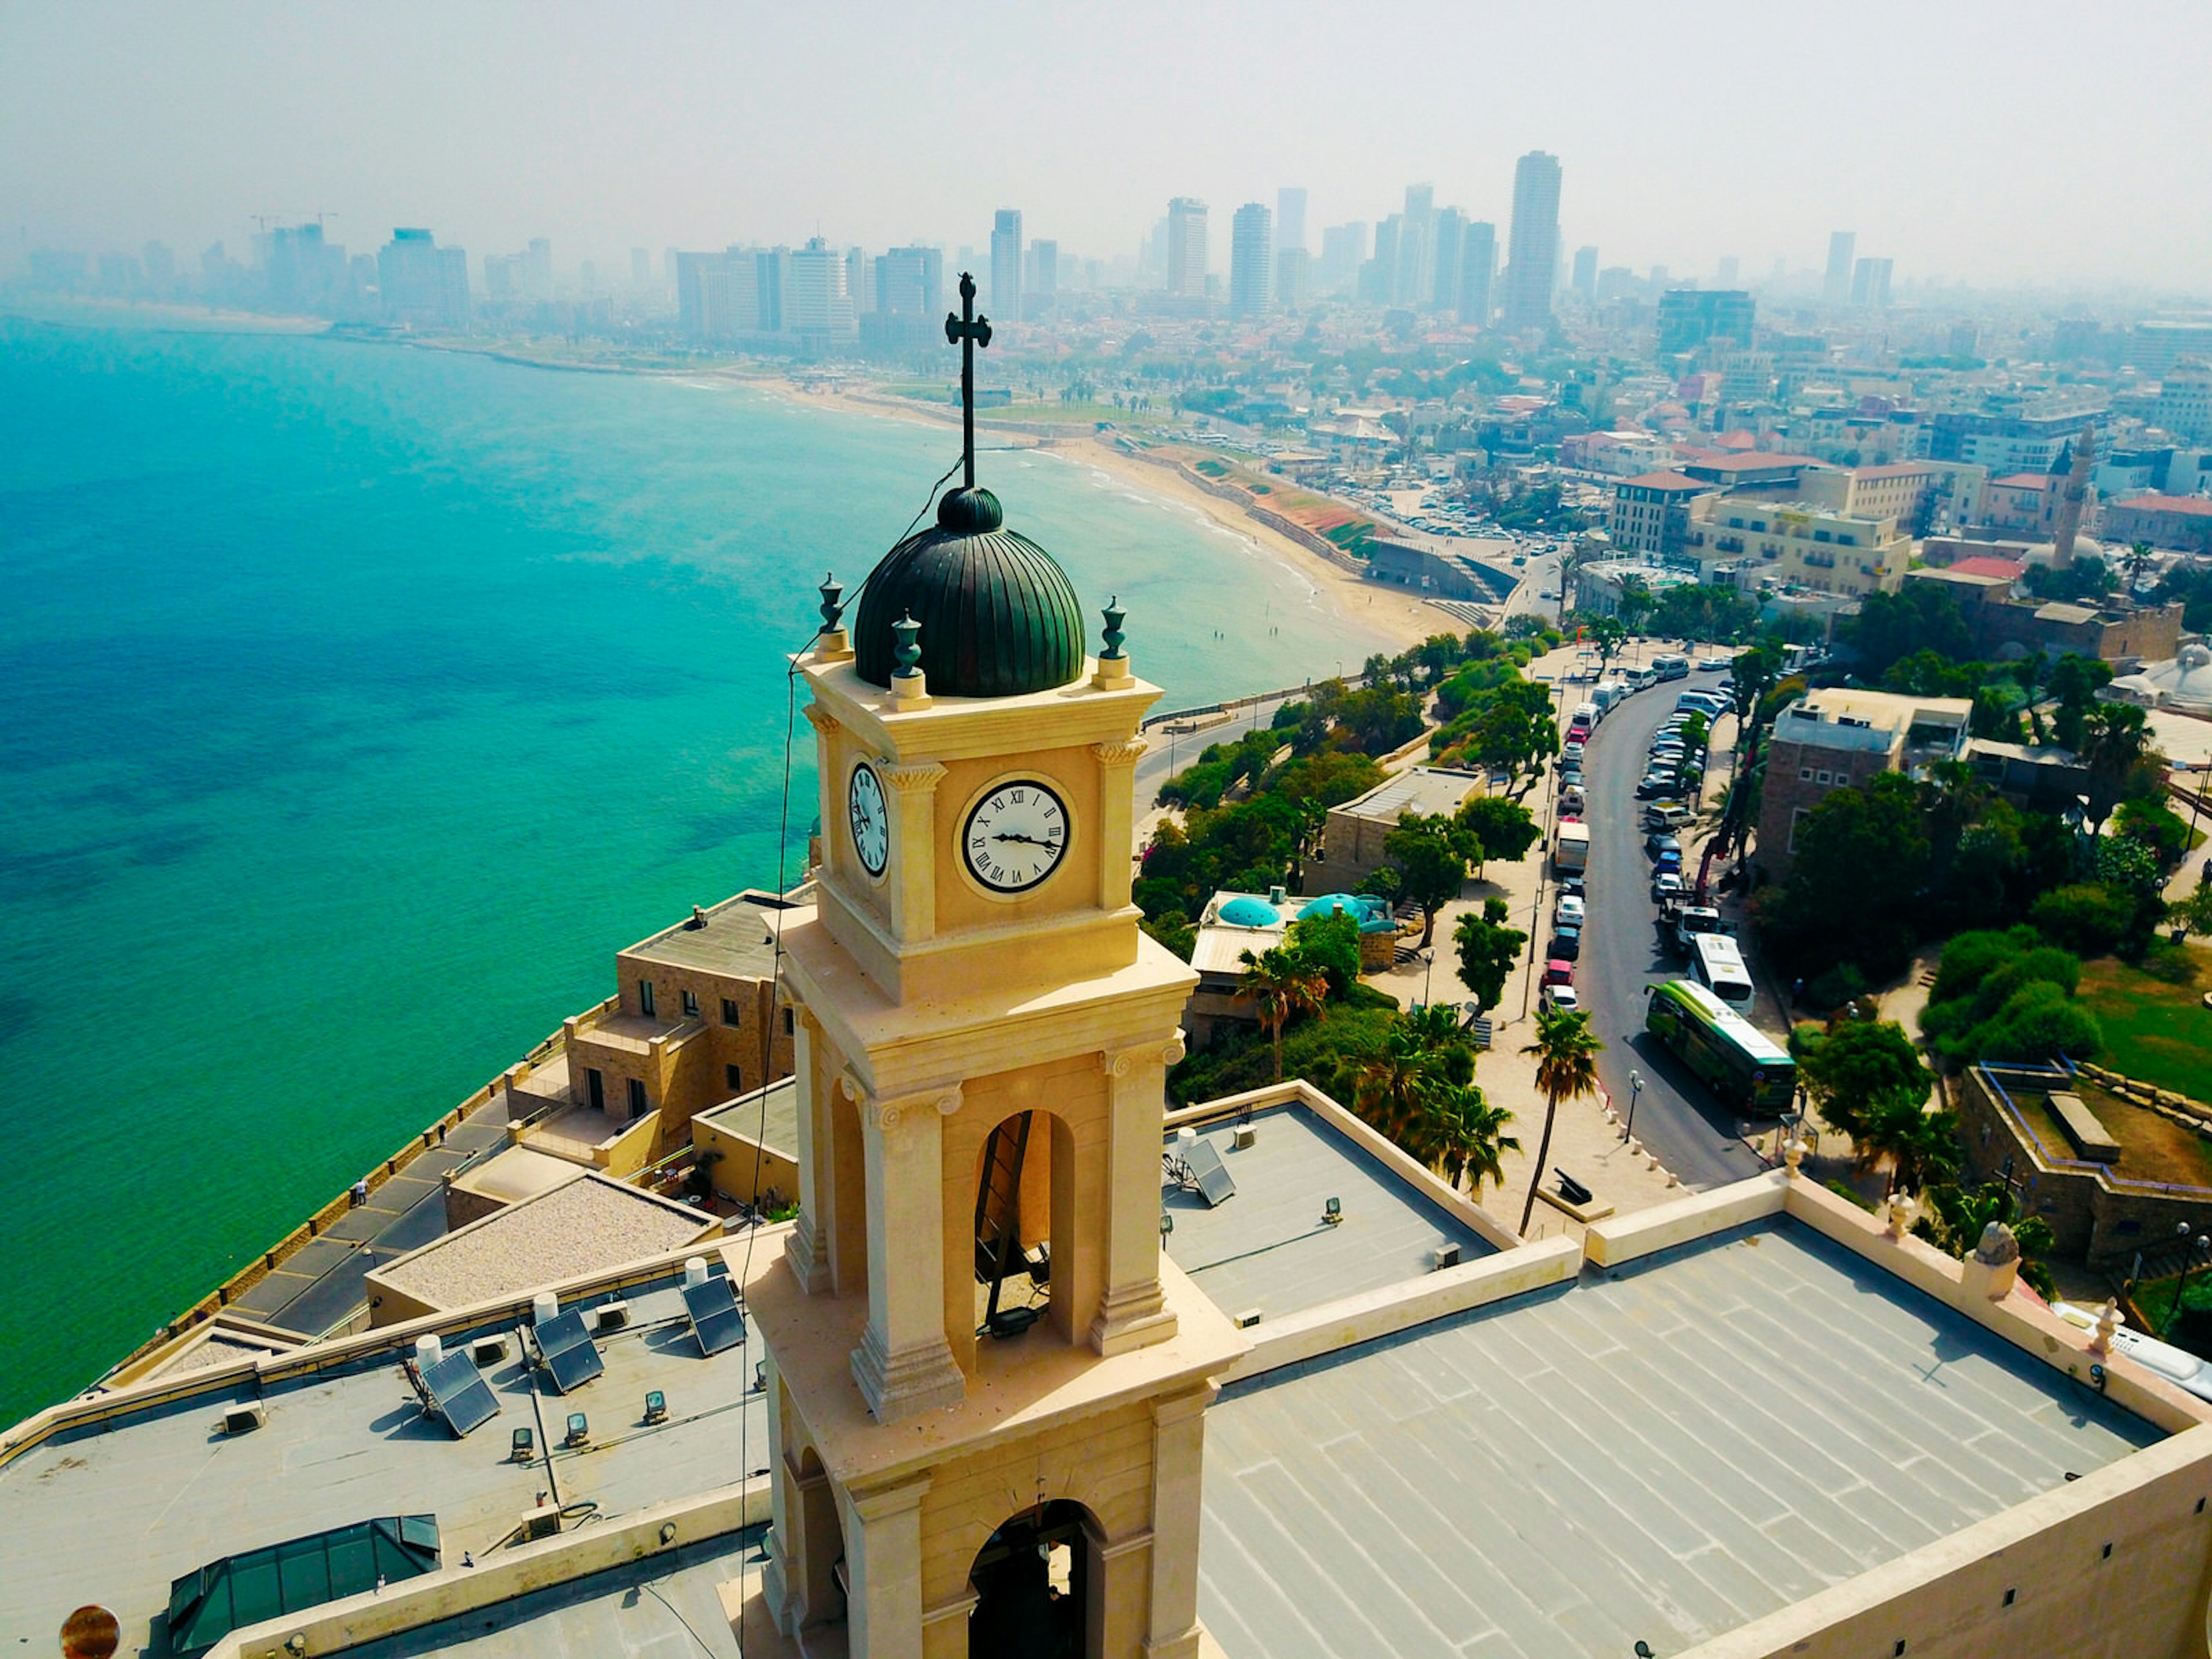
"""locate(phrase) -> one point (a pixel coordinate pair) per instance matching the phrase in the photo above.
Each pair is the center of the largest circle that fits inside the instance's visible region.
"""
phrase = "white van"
(1671, 667)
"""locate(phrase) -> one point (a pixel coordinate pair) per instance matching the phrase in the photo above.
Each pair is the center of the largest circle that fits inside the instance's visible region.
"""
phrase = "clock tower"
(987, 1384)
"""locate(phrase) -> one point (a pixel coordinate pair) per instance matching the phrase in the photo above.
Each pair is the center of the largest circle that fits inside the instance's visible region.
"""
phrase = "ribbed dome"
(998, 617)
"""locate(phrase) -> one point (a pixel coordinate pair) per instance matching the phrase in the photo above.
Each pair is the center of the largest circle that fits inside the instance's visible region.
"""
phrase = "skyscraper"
(1842, 245)
(1448, 228)
(1251, 260)
(818, 304)
(1291, 217)
(1343, 248)
(1533, 261)
(1478, 268)
(910, 282)
(1187, 248)
(1585, 278)
(1731, 264)
(1006, 264)
(1870, 282)
(1041, 292)
(423, 285)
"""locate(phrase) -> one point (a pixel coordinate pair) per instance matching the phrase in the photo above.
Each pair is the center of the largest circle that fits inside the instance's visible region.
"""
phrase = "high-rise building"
(1343, 250)
(1006, 264)
(1041, 279)
(1446, 232)
(423, 285)
(1533, 260)
(1187, 248)
(1293, 278)
(641, 269)
(1378, 276)
(1585, 277)
(860, 281)
(1731, 264)
(1870, 284)
(1415, 265)
(910, 282)
(1478, 270)
(1251, 260)
(161, 264)
(1291, 217)
(1843, 245)
(535, 271)
(817, 304)
(1691, 317)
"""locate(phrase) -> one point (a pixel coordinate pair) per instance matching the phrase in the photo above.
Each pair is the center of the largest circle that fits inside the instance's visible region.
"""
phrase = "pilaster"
(882, 1572)
(1178, 1472)
(1132, 1312)
(808, 1248)
(904, 1365)
(913, 849)
(1116, 818)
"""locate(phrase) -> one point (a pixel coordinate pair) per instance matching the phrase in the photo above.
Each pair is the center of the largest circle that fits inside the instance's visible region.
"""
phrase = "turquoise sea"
(358, 701)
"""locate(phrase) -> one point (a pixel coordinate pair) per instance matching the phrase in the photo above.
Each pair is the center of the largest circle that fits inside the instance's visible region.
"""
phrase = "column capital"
(884, 1502)
(888, 1111)
(911, 776)
(1120, 754)
(818, 717)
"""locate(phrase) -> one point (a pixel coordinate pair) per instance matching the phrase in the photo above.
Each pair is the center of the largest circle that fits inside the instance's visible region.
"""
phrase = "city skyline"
(604, 138)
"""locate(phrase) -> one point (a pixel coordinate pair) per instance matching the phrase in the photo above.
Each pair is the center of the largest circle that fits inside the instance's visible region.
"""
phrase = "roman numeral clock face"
(1015, 837)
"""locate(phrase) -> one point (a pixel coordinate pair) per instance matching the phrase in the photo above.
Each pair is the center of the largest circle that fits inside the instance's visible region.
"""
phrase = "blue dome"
(1372, 914)
(1245, 911)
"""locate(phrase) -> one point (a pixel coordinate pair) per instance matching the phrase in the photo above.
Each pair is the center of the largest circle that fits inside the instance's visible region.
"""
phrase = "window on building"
(787, 1022)
(734, 1078)
(1824, 777)
(644, 997)
(1805, 774)
(637, 1101)
(730, 1013)
(691, 1006)
(595, 1089)
(1797, 818)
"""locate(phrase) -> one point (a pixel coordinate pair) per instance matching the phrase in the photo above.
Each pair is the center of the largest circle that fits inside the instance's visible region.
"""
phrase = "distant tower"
(1291, 217)
(1842, 249)
(1187, 248)
(2073, 499)
(1251, 260)
(1006, 264)
(1585, 278)
(1532, 255)
(1478, 269)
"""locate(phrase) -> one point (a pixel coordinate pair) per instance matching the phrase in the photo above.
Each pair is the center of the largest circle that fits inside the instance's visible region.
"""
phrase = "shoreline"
(1404, 622)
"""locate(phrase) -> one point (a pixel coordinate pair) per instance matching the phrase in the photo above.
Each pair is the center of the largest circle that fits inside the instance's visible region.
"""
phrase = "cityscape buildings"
(1291, 217)
(1843, 248)
(1006, 292)
(1186, 261)
(1532, 257)
(1251, 260)
(423, 285)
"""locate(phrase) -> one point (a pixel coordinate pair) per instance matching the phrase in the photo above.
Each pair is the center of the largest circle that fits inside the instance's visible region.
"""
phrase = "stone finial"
(1900, 1208)
(909, 687)
(833, 603)
(1113, 671)
(1793, 1153)
(2109, 1319)
(1999, 1246)
(1115, 617)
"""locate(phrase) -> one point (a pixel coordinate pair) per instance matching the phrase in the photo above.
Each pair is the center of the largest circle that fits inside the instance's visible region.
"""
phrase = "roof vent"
(1278, 895)
(698, 919)
(1445, 1255)
(541, 1523)
(612, 1315)
(244, 1418)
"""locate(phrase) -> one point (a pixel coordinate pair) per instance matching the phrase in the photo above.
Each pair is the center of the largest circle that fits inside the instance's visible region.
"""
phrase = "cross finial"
(967, 331)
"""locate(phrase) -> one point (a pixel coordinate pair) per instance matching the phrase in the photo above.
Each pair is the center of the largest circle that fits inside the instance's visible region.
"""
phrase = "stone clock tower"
(988, 1385)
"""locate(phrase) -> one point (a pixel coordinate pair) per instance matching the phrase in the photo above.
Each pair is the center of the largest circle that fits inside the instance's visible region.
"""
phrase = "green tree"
(1431, 864)
(1608, 634)
(1488, 949)
(1281, 987)
(1854, 890)
(2114, 738)
(2087, 918)
(1890, 627)
(1869, 1081)
(1496, 827)
(1461, 1136)
(2194, 914)
(1391, 1088)
(2073, 682)
(1566, 1052)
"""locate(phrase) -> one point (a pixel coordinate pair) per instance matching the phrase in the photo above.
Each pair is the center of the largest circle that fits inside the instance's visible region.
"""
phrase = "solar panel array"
(459, 1395)
(715, 1317)
(570, 1353)
(1215, 1184)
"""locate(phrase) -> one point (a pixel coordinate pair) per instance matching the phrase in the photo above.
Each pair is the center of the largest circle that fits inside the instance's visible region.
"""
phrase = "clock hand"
(1030, 841)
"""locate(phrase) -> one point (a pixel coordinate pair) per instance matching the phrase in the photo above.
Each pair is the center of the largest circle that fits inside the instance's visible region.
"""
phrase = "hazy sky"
(2018, 141)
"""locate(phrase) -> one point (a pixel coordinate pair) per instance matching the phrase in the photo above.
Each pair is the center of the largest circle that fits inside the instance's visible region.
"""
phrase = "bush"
(2088, 918)
(2039, 1021)
(1839, 986)
(2007, 996)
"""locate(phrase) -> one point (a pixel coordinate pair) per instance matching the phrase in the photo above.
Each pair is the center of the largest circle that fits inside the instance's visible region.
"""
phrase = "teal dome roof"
(1371, 913)
(1245, 911)
(999, 616)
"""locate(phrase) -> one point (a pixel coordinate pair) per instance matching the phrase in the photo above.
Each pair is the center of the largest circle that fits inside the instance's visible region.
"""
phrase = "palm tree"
(1567, 1066)
(2115, 736)
(1281, 985)
(1393, 1089)
(1461, 1136)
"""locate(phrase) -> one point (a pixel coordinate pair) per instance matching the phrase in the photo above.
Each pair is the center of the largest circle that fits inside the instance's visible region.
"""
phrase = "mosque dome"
(1246, 911)
(1372, 914)
(999, 616)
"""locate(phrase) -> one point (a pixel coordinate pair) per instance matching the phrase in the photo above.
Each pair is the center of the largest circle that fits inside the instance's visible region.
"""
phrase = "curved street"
(1676, 1116)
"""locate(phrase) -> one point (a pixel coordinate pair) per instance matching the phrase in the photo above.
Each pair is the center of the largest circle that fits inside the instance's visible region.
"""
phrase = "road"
(1676, 1116)
(1168, 752)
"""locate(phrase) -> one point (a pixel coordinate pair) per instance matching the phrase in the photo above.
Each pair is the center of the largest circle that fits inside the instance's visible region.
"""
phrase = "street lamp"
(1635, 1093)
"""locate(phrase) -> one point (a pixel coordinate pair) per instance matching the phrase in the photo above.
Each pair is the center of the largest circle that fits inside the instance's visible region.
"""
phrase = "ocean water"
(357, 702)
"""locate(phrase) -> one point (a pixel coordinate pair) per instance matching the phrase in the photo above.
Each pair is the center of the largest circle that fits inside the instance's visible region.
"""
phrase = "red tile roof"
(1663, 480)
(2194, 506)
(2022, 481)
(1984, 564)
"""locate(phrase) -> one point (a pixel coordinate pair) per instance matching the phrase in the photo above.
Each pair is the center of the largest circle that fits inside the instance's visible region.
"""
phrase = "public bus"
(1716, 963)
(1731, 1056)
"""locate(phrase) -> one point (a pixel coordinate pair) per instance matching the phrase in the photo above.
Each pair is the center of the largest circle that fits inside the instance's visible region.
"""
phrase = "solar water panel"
(570, 1353)
(715, 1318)
(459, 1394)
(1215, 1184)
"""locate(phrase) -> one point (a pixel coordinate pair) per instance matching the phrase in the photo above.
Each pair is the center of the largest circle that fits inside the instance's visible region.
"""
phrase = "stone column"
(1116, 818)
(828, 786)
(903, 1363)
(798, 1584)
(1178, 1469)
(807, 1250)
(912, 870)
(882, 1572)
(1132, 1313)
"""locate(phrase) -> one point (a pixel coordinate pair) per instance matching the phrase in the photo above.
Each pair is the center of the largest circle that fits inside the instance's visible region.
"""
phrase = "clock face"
(1015, 838)
(871, 823)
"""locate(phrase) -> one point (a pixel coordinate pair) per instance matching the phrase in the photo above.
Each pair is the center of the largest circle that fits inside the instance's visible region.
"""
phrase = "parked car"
(1715, 665)
(1567, 943)
(1561, 997)
(1662, 816)
(1558, 970)
(1568, 913)
(1571, 799)
(1653, 784)
(1577, 884)
(1666, 885)
(1659, 841)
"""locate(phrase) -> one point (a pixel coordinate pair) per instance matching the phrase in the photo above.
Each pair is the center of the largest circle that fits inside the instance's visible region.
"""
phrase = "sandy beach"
(1372, 607)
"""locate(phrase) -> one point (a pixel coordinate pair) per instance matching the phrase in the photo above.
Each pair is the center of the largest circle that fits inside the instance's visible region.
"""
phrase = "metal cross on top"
(967, 331)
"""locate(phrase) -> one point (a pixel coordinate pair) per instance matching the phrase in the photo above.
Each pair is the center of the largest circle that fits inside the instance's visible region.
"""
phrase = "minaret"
(2073, 499)
(986, 1381)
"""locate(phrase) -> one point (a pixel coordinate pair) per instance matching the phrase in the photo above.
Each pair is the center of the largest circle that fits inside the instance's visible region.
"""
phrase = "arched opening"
(1024, 1179)
(1034, 1580)
(816, 1553)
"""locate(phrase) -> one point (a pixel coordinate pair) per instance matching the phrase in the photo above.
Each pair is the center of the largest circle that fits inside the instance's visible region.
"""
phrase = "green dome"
(998, 617)
(1245, 911)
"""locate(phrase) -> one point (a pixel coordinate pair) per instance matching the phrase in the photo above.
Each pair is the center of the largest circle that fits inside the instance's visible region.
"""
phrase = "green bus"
(1737, 1060)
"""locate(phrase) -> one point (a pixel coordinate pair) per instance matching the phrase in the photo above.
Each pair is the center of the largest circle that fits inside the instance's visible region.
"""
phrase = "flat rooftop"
(733, 938)
(772, 1122)
(1424, 789)
(1659, 1452)
(113, 1512)
(581, 1227)
(1268, 1247)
